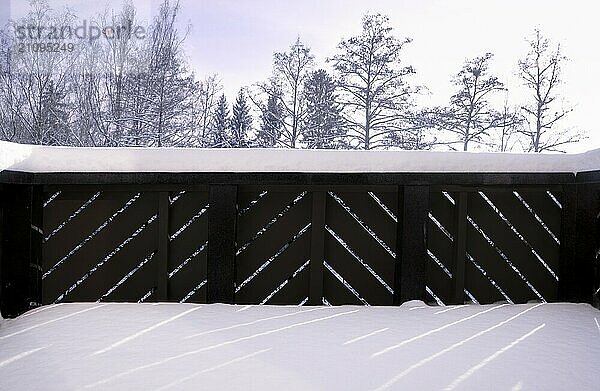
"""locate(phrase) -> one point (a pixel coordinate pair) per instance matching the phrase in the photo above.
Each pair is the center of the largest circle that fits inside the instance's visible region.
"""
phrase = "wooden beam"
(222, 216)
(161, 293)
(411, 270)
(459, 255)
(317, 248)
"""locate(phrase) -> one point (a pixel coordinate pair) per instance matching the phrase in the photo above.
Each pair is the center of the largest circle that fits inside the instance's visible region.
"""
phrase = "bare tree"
(470, 116)
(120, 56)
(372, 80)
(290, 70)
(506, 136)
(34, 84)
(541, 71)
(205, 105)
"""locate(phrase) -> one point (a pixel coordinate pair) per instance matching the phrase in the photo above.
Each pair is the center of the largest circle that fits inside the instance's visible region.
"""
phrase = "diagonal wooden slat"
(187, 242)
(389, 199)
(185, 208)
(373, 216)
(356, 274)
(105, 272)
(294, 291)
(196, 295)
(86, 222)
(527, 226)
(136, 285)
(500, 271)
(268, 243)
(188, 277)
(279, 269)
(443, 211)
(248, 199)
(514, 249)
(440, 245)
(99, 246)
(439, 281)
(58, 225)
(264, 212)
(546, 208)
(335, 292)
(361, 242)
(480, 286)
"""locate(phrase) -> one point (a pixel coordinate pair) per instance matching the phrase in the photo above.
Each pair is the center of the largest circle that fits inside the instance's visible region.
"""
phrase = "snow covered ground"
(200, 347)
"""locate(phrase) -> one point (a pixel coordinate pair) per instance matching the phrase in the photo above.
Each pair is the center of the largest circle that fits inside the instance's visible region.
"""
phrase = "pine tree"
(324, 124)
(54, 117)
(241, 122)
(220, 125)
(271, 123)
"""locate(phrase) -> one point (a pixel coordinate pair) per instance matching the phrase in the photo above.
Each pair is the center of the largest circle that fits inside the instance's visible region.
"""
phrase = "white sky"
(236, 39)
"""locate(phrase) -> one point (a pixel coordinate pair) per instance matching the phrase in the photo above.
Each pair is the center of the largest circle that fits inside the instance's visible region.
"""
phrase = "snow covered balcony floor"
(158, 346)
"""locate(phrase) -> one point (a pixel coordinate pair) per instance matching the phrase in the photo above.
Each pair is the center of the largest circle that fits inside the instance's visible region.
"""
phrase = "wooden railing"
(377, 238)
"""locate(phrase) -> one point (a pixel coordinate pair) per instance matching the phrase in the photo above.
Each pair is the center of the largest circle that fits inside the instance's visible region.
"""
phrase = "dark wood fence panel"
(188, 246)
(99, 245)
(494, 244)
(110, 245)
(377, 239)
(273, 245)
(360, 246)
(318, 245)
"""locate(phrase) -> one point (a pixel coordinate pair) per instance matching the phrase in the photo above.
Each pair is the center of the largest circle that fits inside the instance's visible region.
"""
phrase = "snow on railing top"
(43, 159)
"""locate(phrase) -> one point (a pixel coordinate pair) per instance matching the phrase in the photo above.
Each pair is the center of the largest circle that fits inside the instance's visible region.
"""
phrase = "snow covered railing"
(295, 227)
(43, 159)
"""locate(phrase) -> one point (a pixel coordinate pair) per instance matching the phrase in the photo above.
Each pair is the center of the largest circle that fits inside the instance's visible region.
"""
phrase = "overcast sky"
(236, 39)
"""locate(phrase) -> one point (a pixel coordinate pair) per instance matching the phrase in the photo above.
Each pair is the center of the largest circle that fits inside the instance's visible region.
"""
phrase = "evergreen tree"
(241, 122)
(271, 122)
(324, 124)
(220, 125)
(54, 117)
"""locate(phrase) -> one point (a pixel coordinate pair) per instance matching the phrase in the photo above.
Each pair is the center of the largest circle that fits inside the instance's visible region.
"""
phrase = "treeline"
(128, 92)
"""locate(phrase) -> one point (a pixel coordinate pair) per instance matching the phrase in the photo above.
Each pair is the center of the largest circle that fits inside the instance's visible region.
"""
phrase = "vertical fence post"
(317, 248)
(2, 245)
(411, 261)
(459, 253)
(222, 216)
(36, 240)
(595, 191)
(21, 248)
(161, 293)
(577, 255)
(568, 243)
(583, 269)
